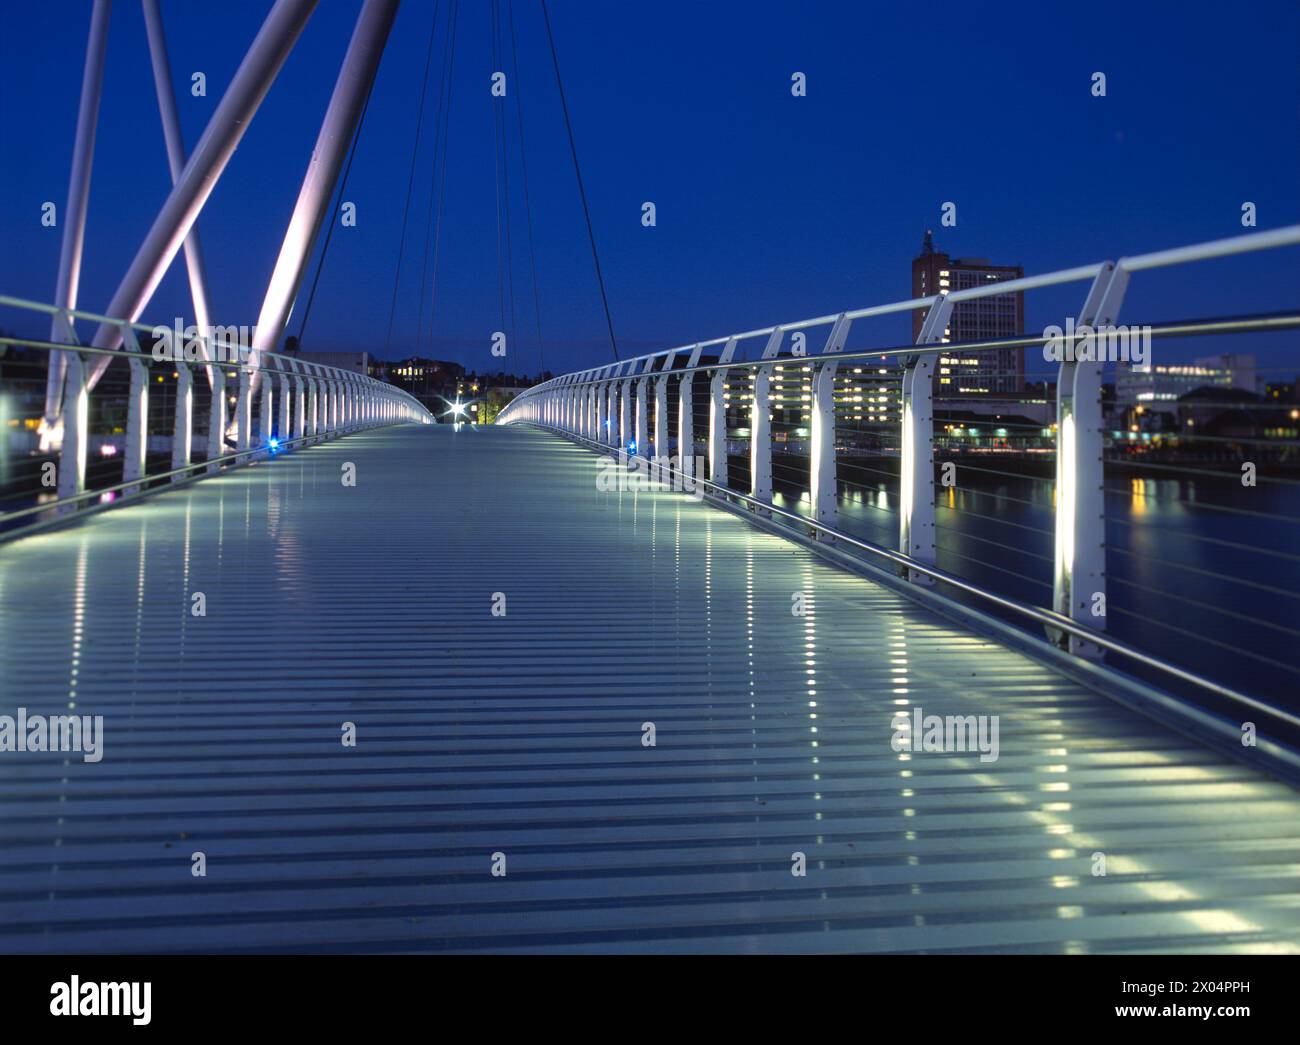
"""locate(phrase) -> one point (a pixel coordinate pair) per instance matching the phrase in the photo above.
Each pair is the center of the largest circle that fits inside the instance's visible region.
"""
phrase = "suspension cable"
(505, 171)
(444, 89)
(496, 171)
(410, 181)
(343, 186)
(442, 177)
(528, 206)
(582, 192)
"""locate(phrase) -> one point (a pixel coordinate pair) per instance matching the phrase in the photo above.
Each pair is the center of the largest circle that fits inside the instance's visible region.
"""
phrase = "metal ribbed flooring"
(522, 734)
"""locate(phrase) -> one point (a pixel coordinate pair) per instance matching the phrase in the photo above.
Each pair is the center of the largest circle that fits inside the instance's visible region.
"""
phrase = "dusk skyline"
(769, 206)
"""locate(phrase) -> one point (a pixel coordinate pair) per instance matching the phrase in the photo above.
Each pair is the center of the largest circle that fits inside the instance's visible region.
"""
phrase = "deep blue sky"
(770, 207)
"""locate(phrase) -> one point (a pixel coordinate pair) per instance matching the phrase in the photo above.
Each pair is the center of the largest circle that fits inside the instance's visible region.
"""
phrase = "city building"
(998, 371)
(429, 380)
(1168, 382)
(1282, 392)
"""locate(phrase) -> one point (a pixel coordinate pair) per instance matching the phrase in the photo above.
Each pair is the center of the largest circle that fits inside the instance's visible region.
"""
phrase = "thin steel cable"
(528, 206)
(1181, 470)
(1212, 574)
(1238, 651)
(505, 175)
(442, 176)
(1127, 491)
(496, 172)
(444, 88)
(410, 181)
(343, 186)
(582, 192)
(1199, 537)
(1147, 589)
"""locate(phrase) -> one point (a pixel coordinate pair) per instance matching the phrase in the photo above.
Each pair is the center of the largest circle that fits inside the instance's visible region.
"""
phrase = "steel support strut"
(252, 80)
(823, 478)
(916, 481)
(171, 125)
(74, 212)
(1079, 580)
(337, 129)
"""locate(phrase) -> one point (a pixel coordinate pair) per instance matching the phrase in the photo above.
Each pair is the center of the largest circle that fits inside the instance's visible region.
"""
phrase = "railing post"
(760, 424)
(137, 413)
(76, 427)
(217, 417)
(642, 419)
(1080, 544)
(625, 436)
(183, 430)
(265, 421)
(313, 406)
(244, 408)
(299, 404)
(823, 477)
(662, 449)
(686, 419)
(282, 426)
(320, 402)
(611, 417)
(916, 479)
(718, 468)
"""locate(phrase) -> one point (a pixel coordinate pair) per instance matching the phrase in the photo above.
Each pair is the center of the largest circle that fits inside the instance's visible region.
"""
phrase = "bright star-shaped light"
(458, 409)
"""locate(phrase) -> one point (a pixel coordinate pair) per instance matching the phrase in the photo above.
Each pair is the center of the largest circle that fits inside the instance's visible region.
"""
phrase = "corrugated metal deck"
(522, 734)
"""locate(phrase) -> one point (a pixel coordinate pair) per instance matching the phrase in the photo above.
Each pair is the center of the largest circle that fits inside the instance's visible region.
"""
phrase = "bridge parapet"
(797, 465)
(139, 425)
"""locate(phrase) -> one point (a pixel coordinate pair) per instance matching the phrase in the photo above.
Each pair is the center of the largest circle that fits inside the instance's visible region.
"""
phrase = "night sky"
(770, 207)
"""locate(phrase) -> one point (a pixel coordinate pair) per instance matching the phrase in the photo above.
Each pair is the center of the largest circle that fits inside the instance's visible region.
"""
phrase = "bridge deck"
(522, 734)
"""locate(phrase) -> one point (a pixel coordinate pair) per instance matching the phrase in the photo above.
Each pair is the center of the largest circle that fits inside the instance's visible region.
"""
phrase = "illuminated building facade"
(997, 371)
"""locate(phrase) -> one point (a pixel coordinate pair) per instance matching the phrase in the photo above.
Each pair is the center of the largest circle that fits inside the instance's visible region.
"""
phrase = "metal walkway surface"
(521, 734)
